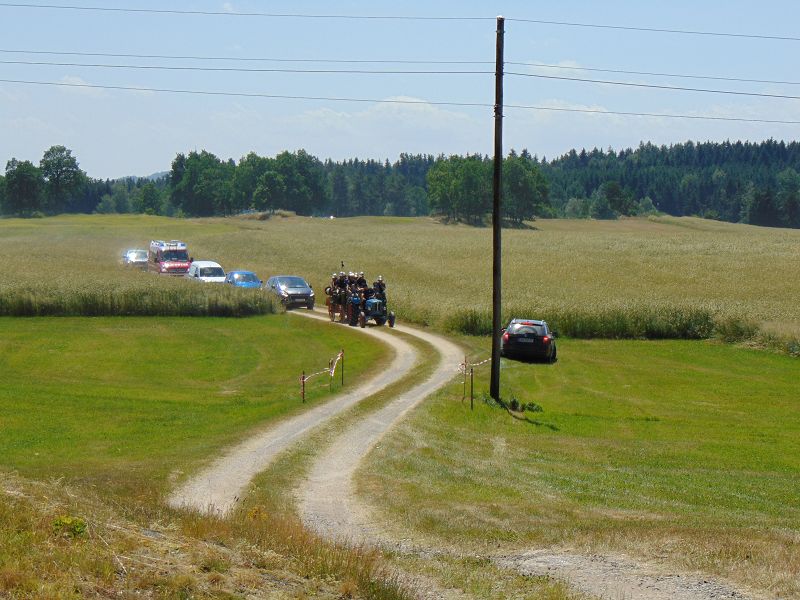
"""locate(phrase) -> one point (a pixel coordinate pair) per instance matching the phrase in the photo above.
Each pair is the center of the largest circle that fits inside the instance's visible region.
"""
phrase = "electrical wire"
(393, 61)
(784, 38)
(222, 13)
(392, 72)
(255, 59)
(393, 101)
(657, 87)
(650, 73)
(239, 94)
(241, 69)
(654, 115)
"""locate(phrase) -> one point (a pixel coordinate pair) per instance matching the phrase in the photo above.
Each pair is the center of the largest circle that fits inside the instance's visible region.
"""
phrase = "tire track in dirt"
(326, 500)
(218, 487)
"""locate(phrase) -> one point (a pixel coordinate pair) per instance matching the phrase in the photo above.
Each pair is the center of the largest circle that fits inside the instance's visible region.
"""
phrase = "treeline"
(738, 182)
(756, 183)
(199, 184)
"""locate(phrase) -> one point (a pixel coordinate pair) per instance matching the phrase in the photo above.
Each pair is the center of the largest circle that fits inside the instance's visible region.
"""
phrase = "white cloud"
(228, 7)
(79, 86)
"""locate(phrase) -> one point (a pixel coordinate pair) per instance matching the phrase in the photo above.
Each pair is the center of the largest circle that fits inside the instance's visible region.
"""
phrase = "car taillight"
(545, 339)
(505, 337)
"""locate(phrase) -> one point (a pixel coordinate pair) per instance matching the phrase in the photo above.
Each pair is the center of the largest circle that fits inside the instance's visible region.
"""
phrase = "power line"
(390, 72)
(241, 69)
(662, 30)
(393, 101)
(650, 73)
(657, 87)
(392, 61)
(222, 13)
(255, 59)
(239, 94)
(654, 115)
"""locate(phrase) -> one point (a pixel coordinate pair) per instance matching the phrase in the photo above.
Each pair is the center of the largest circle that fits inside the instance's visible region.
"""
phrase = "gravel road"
(327, 502)
(217, 488)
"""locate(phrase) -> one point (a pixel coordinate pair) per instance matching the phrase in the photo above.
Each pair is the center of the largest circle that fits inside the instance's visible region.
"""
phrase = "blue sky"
(115, 133)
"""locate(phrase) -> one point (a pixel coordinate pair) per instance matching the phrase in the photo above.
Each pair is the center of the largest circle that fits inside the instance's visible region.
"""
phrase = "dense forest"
(731, 181)
(740, 182)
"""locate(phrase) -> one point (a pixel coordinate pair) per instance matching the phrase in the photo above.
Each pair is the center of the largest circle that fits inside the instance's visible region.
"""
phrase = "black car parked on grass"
(529, 338)
(291, 290)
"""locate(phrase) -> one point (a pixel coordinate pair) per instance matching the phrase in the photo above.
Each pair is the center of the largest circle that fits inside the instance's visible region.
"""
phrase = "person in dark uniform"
(380, 288)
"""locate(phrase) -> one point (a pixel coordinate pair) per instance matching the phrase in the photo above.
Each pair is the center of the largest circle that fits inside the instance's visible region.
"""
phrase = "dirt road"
(327, 502)
(217, 488)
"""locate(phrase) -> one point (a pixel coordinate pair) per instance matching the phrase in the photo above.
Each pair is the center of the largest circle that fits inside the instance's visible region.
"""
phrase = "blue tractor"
(373, 307)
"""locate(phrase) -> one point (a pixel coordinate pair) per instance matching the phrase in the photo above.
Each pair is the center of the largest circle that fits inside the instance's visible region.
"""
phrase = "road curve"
(326, 500)
(218, 487)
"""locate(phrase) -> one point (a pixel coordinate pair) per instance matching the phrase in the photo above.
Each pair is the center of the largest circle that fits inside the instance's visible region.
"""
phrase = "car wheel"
(391, 319)
(554, 356)
(310, 306)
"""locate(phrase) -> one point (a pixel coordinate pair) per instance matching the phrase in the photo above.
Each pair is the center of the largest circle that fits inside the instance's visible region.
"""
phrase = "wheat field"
(656, 277)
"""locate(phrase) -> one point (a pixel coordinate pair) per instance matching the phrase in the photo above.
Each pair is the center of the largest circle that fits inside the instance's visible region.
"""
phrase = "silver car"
(135, 257)
(292, 290)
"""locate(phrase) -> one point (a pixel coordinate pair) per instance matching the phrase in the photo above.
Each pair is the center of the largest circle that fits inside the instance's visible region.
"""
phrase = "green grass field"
(688, 451)
(671, 450)
(125, 403)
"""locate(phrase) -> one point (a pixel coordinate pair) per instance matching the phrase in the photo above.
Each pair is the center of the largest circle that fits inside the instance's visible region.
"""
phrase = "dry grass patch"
(193, 556)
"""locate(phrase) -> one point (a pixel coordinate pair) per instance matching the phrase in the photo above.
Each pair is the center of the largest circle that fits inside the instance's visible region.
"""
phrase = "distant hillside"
(733, 181)
(135, 178)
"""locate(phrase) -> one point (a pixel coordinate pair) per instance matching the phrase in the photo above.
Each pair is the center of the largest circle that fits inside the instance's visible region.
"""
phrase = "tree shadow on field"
(527, 419)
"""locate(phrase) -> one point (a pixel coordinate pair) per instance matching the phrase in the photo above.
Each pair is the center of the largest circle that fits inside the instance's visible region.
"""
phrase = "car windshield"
(520, 328)
(245, 277)
(137, 255)
(175, 255)
(292, 282)
(211, 272)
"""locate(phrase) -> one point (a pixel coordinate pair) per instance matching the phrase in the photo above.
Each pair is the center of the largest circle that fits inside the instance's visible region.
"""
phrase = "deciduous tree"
(63, 178)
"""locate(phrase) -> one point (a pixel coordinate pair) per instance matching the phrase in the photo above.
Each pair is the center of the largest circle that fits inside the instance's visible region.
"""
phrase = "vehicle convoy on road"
(243, 279)
(135, 257)
(529, 338)
(207, 271)
(291, 290)
(168, 258)
(353, 301)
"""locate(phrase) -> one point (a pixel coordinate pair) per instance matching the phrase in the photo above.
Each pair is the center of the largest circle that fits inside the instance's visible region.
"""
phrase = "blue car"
(243, 279)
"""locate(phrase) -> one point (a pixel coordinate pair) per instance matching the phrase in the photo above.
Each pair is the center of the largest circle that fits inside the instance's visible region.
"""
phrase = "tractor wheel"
(362, 320)
(391, 319)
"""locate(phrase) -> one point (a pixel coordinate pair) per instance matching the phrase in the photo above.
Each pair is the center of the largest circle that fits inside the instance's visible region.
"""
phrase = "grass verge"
(128, 405)
(678, 451)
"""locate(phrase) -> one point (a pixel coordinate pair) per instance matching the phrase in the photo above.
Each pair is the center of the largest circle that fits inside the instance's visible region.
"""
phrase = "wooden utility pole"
(497, 193)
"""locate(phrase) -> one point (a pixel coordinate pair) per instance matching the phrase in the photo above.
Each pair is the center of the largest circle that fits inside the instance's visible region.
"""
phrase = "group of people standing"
(355, 284)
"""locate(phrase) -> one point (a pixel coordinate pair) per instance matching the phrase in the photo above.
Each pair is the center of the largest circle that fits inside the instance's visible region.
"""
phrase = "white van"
(206, 270)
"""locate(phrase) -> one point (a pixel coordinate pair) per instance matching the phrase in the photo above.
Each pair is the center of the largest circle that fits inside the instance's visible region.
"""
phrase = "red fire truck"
(168, 258)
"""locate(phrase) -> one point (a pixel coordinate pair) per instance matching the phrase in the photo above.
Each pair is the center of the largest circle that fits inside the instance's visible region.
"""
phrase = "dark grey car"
(529, 338)
(291, 290)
